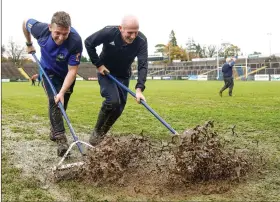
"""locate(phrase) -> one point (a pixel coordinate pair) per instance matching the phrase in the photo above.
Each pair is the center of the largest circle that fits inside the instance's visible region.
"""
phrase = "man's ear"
(50, 27)
(120, 28)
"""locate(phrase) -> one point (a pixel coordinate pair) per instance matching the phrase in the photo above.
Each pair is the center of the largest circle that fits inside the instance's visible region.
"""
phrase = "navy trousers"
(115, 97)
(229, 83)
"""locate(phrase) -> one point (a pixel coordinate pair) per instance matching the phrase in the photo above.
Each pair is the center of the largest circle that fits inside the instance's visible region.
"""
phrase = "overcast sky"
(241, 22)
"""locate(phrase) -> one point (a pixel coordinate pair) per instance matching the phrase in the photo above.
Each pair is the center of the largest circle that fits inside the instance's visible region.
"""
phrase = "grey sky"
(241, 22)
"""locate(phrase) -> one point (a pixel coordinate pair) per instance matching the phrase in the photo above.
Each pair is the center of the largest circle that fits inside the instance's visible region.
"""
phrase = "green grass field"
(254, 109)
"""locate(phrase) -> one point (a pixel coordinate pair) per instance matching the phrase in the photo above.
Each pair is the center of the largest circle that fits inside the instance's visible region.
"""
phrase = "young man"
(121, 44)
(61, 48)
(227, 74)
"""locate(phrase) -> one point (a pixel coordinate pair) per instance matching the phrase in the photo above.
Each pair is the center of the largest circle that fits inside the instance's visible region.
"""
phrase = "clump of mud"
(198, 155)
(202, 156)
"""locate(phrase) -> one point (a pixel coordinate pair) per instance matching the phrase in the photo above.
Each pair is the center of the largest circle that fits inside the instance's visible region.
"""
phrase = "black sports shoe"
(52, 137)
(62, 144)
(95, 138)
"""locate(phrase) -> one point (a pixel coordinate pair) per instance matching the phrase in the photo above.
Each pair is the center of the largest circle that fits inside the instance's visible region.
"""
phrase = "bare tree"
(200, 51)
(211, 50)
(231, 50)
(2, 50)
(15, 52)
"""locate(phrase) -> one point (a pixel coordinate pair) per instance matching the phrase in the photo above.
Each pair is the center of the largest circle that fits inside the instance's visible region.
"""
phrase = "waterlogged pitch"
(246, 133)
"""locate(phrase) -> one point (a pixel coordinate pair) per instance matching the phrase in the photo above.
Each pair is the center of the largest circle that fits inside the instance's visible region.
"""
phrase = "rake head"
(71, 170)
(67, 171)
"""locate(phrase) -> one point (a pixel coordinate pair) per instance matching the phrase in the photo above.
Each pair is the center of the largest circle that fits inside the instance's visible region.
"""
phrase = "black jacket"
(227, 69)
(116, 55)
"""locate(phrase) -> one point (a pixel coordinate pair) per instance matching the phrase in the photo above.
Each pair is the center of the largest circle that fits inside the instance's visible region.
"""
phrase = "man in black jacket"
(121, 44)
(227, 74)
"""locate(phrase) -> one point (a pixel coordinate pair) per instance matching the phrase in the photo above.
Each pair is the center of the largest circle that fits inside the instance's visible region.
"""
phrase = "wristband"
(29, 43)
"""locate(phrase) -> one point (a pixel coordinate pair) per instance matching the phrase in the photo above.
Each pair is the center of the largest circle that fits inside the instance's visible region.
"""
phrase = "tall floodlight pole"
(218, 73)
(246, 63)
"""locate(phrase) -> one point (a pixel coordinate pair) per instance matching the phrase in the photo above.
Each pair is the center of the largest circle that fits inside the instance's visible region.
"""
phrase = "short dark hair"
(61, 18)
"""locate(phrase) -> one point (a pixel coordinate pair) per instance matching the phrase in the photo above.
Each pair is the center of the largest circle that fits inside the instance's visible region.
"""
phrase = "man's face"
(59, 34)
(129, 33)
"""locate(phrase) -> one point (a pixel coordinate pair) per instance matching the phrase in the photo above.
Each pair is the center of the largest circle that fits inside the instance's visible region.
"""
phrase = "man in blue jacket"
(228, 77)
(61, 49)
(121, 44)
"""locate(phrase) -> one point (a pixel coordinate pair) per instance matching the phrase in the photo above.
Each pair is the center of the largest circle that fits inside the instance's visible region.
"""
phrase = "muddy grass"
(199, 161)
(199, 156)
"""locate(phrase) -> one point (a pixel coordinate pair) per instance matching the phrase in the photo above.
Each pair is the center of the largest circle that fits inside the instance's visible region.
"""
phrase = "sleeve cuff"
(141, 86)
(98, 64)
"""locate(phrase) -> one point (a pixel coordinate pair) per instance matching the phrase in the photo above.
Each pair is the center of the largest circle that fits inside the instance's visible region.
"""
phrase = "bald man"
(121, 44)
(228, 77)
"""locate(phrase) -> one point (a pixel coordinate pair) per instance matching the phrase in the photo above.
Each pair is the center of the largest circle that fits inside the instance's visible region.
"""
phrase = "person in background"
(228, 76)
(33, 79)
